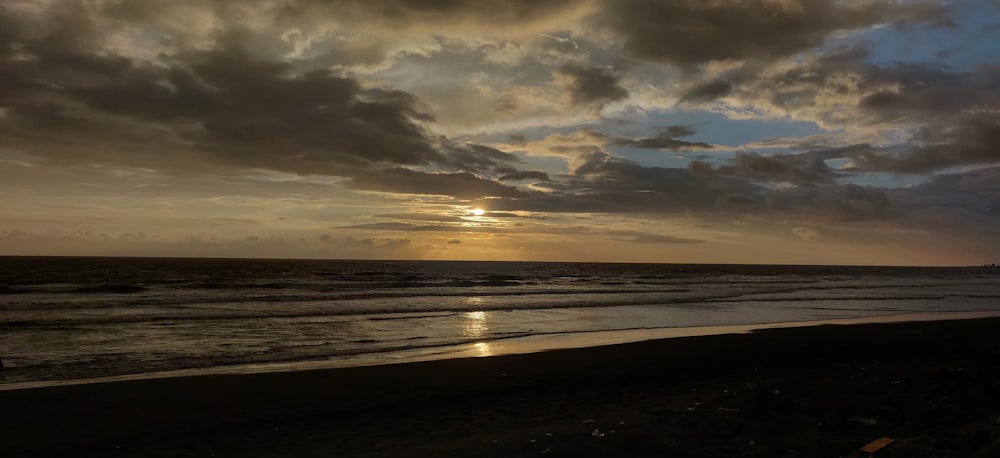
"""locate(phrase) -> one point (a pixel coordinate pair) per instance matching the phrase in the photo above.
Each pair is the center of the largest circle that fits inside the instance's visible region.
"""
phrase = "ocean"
(74, 318)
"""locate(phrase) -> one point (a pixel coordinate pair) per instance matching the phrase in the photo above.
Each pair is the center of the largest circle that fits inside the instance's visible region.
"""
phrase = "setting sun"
(477, 211)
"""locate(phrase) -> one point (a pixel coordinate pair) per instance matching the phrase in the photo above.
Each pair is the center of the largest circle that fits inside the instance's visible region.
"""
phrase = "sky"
(687, 131)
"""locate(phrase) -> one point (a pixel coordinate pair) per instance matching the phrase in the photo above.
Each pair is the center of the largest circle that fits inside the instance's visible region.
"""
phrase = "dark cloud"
(69, 94)
(351, 242)
(396, 15)
(880, 100)
(690, 32)
(965, 203)
(371, 28)
(505, 215)
(463, 185)
(472, 157)
(954, 112)
(422, 217)
(644, 237)
(848, 202)
(594, 85)
(795, 89)
(369, 53)
(976, 192)
(603, 183)
(73, 101)
(222, 102)
(676, 131)
(526, 175)
(707, 91)
(968, 140)
(607, 171)
(409, 11)
(406, 227)
(779, 168)
(946, 116)
(229, 108)
(256, 113)
(735, 202)
(667, 139)
(825, 88)
(927, 91)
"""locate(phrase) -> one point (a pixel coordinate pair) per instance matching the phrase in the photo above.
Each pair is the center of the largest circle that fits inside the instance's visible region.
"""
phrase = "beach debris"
(876, 445)
(726, 410)
(597, 433)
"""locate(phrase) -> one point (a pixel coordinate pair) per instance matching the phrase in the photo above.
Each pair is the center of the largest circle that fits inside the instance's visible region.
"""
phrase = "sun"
(477, 211)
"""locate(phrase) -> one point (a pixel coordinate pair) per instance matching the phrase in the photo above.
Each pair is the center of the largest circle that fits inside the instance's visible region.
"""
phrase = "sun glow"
(477, 211)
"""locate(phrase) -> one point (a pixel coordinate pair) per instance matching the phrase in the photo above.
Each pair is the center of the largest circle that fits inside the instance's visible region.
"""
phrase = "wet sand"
(934, 387)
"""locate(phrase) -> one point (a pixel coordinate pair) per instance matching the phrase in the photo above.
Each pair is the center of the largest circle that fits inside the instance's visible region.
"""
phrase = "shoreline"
(826, 390)
(501, 347)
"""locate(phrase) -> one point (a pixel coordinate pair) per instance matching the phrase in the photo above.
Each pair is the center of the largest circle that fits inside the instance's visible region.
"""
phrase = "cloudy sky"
(708, 131)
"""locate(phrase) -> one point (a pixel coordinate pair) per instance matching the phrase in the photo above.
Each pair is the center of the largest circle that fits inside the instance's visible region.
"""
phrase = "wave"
(195, 300)
(410, 317)
(219, 285)
(117, 364)
(851, 309)
(110, 288)
(403, 311)
(4, 289)
(166, 310)
(107, 288)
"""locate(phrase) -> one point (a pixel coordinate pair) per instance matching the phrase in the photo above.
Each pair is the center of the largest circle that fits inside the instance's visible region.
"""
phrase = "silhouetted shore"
(934, 387)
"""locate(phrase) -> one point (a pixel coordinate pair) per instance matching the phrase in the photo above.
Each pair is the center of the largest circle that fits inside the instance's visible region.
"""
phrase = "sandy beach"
(933, 387)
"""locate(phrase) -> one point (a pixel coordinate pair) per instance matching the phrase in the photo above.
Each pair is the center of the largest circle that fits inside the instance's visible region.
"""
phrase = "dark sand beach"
(934, 387)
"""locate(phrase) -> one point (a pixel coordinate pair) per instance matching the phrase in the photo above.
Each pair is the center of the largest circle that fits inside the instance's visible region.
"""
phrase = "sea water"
(65, 318)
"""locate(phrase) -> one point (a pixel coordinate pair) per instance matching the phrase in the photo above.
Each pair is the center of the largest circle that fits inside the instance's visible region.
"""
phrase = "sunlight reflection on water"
(475, 324)
(484, 349)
